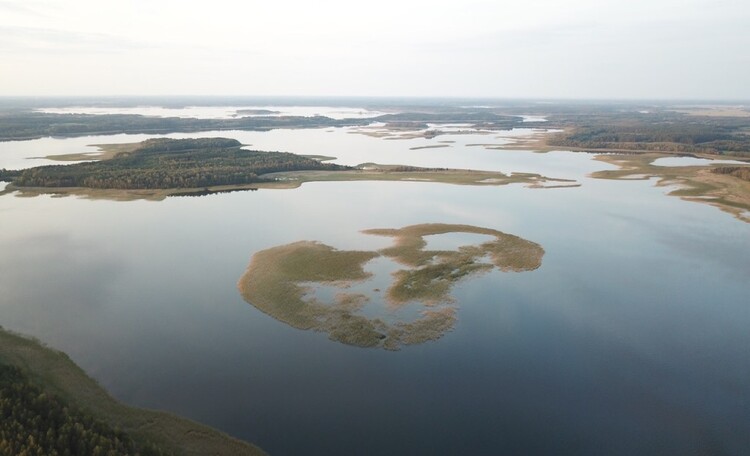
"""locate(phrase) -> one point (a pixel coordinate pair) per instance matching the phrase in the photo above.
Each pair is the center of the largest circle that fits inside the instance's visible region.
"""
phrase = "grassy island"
(279, 281)
(45, 397)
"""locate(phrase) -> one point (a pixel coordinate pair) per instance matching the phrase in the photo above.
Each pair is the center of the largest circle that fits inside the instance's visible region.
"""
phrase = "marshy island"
(281, 281)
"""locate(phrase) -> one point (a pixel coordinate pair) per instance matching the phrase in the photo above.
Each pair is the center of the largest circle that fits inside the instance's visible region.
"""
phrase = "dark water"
(632, 338)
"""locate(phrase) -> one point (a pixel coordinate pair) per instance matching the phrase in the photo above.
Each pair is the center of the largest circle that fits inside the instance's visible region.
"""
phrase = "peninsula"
(156, 168)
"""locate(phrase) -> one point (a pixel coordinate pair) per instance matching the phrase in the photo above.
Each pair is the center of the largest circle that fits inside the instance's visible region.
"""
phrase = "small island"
(280, 282)
(157, 168)
(256, 112)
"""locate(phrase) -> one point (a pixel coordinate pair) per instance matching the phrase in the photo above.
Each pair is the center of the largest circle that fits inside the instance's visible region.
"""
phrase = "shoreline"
(55, 372)
(294, 179)
(696, 184)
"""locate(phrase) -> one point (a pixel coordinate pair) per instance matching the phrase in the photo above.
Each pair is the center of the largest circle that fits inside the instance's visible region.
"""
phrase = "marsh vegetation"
(726, 187)
(279, 281)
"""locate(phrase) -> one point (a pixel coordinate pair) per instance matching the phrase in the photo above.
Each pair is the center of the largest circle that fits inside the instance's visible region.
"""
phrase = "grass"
(274, 281)
(54, 372)
(279, 282)
(431, 146)
(377, 172)
(106, 152)
(694, 183)
(432, 273)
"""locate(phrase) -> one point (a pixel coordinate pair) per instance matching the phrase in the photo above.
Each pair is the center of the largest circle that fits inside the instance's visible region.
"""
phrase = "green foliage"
(171, 163)
(34, 422)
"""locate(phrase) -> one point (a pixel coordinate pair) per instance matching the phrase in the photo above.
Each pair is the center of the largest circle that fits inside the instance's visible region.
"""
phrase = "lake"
(631, 338)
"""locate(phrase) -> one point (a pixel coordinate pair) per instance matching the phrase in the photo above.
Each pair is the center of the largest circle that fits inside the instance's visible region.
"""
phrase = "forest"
(19, 124)
(37, 423)
(23, 125)
(170, 163)
(624, 127)
(657, 138)
(477, 117)
(601, 126)
(659, 131)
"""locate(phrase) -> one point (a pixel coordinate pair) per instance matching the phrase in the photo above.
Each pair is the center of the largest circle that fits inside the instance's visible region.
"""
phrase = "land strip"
(711, 184)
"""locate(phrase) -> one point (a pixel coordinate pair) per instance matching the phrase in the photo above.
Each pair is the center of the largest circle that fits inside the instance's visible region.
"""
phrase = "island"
(24, 124)
(631, 136)
(256, 112)
(281, 281)
(157, 168)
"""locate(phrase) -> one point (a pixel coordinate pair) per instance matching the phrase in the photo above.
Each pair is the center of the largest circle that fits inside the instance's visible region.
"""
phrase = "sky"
(635, 49)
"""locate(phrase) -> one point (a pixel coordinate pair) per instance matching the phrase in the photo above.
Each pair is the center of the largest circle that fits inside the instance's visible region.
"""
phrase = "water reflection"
(630, 339)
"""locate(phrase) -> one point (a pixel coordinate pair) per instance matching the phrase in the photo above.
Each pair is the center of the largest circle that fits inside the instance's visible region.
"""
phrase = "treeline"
(658, 132)
(161, 145)
(412, 169)
(660, 141)
(17, 125)
(7, 175)
(37, 423)
(740, 172)
(478, 118)
(170, 163)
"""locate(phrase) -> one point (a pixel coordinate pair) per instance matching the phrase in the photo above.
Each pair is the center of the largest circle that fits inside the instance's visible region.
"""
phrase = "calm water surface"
(692, 161)
(630, 339)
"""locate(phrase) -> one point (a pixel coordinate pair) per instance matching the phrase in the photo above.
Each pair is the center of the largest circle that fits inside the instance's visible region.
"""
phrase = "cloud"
(588, 48)
(19, 8)
(45, 41)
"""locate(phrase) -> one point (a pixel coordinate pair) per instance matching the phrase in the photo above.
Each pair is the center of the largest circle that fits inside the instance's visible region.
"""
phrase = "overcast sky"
(698, 49)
